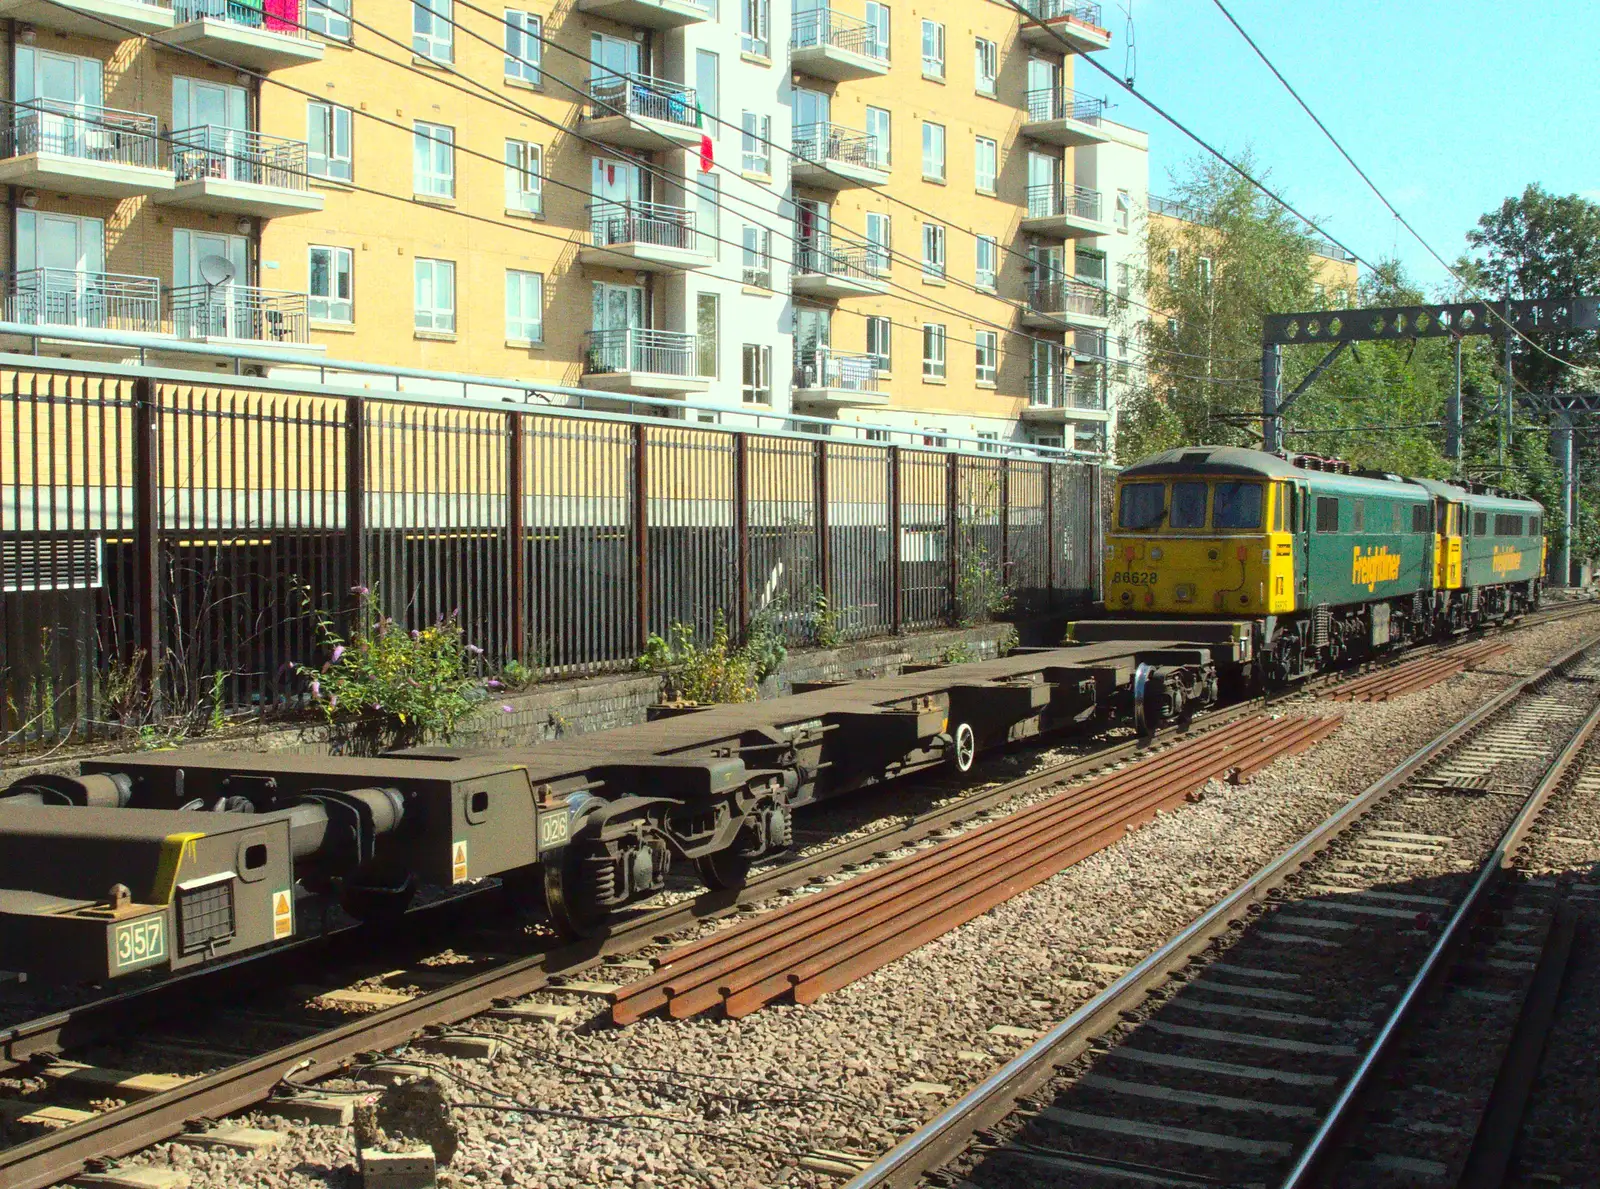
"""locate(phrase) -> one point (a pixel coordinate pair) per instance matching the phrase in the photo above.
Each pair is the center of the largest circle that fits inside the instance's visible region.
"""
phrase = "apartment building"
(858, 215)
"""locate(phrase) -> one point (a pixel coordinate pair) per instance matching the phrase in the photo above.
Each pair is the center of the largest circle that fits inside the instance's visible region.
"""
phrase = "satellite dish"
(217, 270)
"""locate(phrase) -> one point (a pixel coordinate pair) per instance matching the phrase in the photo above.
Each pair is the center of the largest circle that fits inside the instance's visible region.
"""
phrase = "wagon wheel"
(964, 753)
(578, 882)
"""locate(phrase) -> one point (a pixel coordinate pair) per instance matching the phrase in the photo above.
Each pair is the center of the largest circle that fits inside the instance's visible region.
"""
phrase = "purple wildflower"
(492, 683)
(507, 707)
(316, 688)
(416, 635)
(360, 590)
(337, 653)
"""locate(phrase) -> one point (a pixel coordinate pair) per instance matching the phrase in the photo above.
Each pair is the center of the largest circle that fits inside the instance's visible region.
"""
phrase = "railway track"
(161, 1104)
(1248, 1046)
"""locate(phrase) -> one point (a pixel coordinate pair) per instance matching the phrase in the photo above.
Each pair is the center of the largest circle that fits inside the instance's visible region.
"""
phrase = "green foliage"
(702, 674)
(406, 686)
(1008, 642)
(824, 623)
(981, 590)
(764, 645)
(516, 676)
(219, 706)
(958, 654)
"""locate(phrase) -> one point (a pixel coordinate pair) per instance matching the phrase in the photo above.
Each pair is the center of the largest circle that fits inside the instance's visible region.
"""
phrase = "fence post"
(824, 545)
(1005, 521)
(952, 523)
(741, 526)
(641, 533)
(355, 489)
(1050, 534)
(516, 537)
(146, 534)
(896, 591)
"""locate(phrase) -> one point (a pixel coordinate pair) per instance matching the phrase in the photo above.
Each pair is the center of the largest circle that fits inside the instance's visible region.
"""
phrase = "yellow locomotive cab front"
(1448, 521)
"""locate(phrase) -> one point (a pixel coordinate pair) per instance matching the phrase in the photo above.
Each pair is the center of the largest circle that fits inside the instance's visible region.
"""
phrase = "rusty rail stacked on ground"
(829, 940)
(1410, 676)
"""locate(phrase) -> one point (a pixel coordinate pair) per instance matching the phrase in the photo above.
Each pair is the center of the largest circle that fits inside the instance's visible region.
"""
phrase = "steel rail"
(991, 1100)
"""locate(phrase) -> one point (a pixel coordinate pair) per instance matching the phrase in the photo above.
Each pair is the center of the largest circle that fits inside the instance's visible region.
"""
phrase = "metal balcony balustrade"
(239, 155)
(82, 130)
(823, 367)
(1052, 10)
(824, 27)
(1057, 199)
(641, 97)
(831, 256)
(93, 300)
(639, 349)
(1081, 388)
(834, 144)
(1061, 295)
(1059, 103)
(283, 17)
(234, 311)
(642, 223)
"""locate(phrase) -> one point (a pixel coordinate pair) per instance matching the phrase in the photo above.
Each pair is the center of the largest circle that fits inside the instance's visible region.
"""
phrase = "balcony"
(110, 20)
(832, 379)
(1060, 304)
(1056, 115)
(828, 267)
(75, 148)
(1064, 212)
(831, 157)
(638, 359)
(833, 45)
(1055, 398)
(84, 300)
(643, 235)
(1073, 21)
(640, 112)
(234, 313)
(238, 172)
(263, 37)
(648, 14)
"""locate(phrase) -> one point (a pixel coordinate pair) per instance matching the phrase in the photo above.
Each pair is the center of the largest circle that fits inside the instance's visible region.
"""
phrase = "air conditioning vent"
(205, 913)
(41, 564)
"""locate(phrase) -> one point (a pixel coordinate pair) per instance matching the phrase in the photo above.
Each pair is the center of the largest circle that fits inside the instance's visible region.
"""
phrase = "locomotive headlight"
(1155, 553)
(1183, 592)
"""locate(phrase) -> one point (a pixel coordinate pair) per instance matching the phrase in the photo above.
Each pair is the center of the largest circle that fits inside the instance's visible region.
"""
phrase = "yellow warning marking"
(458, 862)
(175, 849)
(282, 915)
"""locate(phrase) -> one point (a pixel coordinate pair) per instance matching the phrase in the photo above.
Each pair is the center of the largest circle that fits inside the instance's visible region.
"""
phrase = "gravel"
(781, 1096)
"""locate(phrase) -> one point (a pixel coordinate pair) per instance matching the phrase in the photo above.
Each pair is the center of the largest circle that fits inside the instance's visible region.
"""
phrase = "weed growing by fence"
(981, 590)
(701, 674)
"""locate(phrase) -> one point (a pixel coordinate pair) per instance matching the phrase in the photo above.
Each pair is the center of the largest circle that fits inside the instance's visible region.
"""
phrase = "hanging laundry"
(283, 16)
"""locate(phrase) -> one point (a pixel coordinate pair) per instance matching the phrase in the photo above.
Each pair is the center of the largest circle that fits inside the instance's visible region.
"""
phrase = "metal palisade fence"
(167, 543)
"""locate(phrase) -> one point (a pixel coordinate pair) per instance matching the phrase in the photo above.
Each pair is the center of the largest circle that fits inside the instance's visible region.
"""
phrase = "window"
(705, 334)
(1124, 209)
(875, 435)
(754, 26)
(935, 437)
(1139, 505)
(933, 151)
(329, 289)
(331, 18)
(523, 47)
(1327, 514)
(1280, 507)
(432, 34)
(987, 164)
(932, 250)
(433, 160)
(1173, 271)
(1188, 505)
(524, 176)
(1124, 280)
(756, 143)
(988, 356)
(1507, 526)
(988, 442)
(328, 141)
(879, 249)
(879, 335)
(933, 350)
(1419, 518)
(1203, 268)
(707, 203)
(986, 65)
(757, 380)
(878, 130)
(524, 306)
(932, 49)
(708, 90)
(1533, 526)
(435, 295)
(988, 261)
(878, 22)
(757, 243)
(1236, 506)
(1480, 524)
(1358, 516)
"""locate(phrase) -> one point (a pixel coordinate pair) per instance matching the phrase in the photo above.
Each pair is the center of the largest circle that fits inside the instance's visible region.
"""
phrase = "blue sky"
(1450, 107)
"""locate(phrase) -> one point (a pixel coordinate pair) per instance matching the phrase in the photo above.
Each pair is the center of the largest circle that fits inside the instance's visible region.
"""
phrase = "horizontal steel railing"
(97, 300)
(823, 26)
(275, 16)
(1054, 198)
(639, 349)
(829, 256)
(1055, 10)
(235, 311)
(823, 367)
(1062, 296)
(640, 96)
(642, 223)
(82, 130)
(1078, 389)
(1059, 103)
(239, 155)
(827, 144)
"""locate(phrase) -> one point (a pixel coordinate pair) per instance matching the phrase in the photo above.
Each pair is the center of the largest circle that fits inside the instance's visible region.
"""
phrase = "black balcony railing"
(1081, 388)
(639, 349)
(88, 300)
(1059, 295)
(82, 130)
(833, 144)
(1058, 103)
(287, 20)
(828, 256)
(823, 367)
(641, 97)
(642, 223)
(239, 155)
(1055, 200)
(824, 27)
(1055, 10)
(234, 311)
